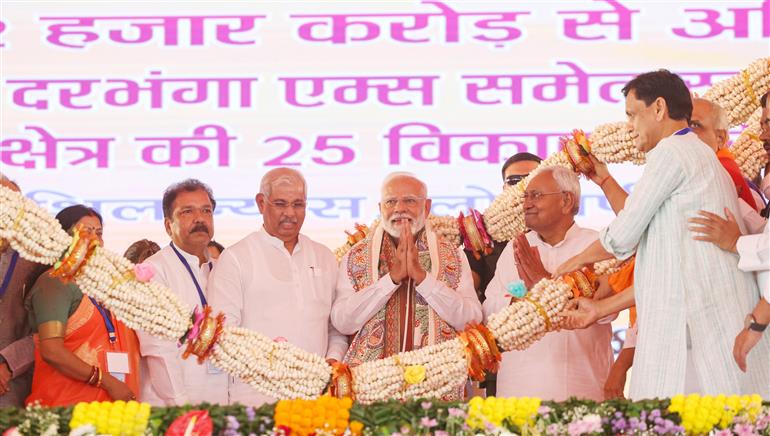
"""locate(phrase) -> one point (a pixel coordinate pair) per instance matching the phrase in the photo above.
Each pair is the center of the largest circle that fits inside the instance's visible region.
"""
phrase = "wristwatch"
(751, 324)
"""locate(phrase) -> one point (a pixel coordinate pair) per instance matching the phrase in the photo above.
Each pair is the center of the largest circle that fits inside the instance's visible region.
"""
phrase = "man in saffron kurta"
(682, 287)
(402, 287)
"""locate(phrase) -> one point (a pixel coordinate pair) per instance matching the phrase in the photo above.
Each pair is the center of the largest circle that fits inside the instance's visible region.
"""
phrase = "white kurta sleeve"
(338, 344)
(458, 306)
(754, 251)
(505, 273)
(662, 175)
(225, 289)
(631, 333)
(753, 221)
(162, 359)
(351, 309)
(165, 372)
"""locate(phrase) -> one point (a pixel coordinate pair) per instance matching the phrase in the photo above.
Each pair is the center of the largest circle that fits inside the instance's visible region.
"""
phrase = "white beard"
(394, 230)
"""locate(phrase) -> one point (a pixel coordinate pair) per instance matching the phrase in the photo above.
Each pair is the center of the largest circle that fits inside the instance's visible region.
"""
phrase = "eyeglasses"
(409, 201)
(535, 196)
(283, 205)
(515, 178)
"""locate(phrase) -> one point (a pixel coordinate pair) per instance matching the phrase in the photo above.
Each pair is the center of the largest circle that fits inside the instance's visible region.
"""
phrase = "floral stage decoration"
(681, 415)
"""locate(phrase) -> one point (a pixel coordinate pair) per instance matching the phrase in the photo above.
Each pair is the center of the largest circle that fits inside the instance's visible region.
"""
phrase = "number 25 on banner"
(328, 150)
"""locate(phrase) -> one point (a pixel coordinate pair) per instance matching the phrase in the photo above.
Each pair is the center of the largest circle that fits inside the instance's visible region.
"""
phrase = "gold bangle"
(92, 377)
(50, 330)
(542, 312)
(99, 382)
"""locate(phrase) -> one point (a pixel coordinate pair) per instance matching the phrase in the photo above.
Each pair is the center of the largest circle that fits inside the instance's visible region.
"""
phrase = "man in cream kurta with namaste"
(683, 287)
(402, 287)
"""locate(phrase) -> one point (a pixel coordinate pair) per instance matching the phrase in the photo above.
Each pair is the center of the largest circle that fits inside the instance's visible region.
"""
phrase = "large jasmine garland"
(739, 94)
(748, 149)
(32, 231)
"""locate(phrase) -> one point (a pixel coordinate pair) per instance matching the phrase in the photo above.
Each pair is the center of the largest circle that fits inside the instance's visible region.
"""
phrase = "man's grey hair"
(286, 176)
(719, 115)
(566, 180)
(404, 174)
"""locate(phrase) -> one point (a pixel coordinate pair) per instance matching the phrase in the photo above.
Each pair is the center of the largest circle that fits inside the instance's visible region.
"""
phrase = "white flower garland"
(278, 369)
(445, 366)
(147, 306)
(612, 143)
(528, 319)
(29, 229)
(748, 149)
(607, 267)
(504, 218)
(739, 95)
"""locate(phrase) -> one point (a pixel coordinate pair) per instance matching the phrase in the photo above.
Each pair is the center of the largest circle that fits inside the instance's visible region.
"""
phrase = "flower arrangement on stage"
(326, 415)
(691, 415)
(114, 418)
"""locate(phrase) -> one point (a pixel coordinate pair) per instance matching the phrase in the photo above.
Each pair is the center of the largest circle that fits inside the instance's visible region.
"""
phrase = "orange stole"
(86, 337)
(727, 160)
(621, 280)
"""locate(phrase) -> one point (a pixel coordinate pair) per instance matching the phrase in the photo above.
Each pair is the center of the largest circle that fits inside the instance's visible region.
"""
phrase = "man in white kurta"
(754, 252)
(277, 281)
(167, 379)
(565, 363)
(682, 286)
(403, 287)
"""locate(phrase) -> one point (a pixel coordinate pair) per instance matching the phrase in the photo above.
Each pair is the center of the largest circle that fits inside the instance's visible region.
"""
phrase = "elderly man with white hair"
(403, 287)
(277, 281)
(709, 122)
(566, 363)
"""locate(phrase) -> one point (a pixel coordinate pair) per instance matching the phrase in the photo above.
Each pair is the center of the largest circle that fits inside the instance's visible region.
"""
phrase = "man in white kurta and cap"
(403, 287)
(277, 281)
(182, 266)
(683, 287)
(566, 363)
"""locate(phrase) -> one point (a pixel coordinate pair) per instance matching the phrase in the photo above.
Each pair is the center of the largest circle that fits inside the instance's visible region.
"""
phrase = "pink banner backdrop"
(107, 103)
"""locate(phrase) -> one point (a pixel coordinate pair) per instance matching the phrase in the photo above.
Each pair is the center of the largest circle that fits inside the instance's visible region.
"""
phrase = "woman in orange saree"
(82, 352)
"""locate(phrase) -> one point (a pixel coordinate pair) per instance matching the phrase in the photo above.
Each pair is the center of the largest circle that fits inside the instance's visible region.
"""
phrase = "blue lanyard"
(107, 321)
(192, 276)
(9, 273)
(684, 131)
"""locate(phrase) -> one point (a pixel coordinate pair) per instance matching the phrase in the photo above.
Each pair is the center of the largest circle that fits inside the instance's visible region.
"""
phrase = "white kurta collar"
(277, 243)
(192, 259)
(572, 231)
